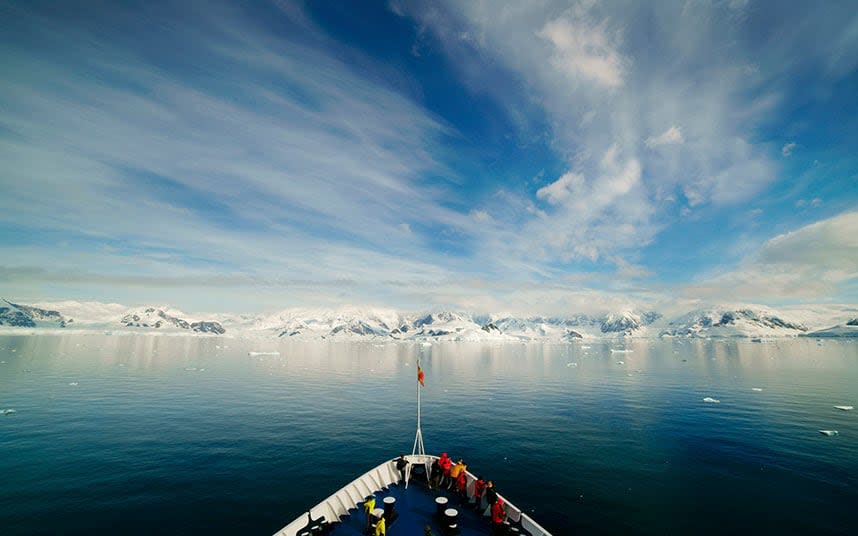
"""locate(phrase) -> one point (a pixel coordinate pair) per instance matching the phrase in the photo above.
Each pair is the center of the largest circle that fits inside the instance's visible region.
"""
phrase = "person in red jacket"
(446, 465)
(462, 484)
(479, 487)
(498, 516)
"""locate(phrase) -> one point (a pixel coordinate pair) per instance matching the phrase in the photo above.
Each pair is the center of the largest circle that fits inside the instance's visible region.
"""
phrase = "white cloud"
(603, 88)
(481, 215)
(671, 136)
(564, 188)
(583, 49)
(297, 166)
(814, 262)
(816, 202)
(591, 218)
(788, 148)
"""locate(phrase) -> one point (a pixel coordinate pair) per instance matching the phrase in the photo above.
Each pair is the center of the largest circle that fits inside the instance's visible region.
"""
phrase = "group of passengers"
(454, 476)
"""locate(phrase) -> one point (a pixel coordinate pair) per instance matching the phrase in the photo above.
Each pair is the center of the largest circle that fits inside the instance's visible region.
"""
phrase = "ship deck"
(341, 514)
(416, 508)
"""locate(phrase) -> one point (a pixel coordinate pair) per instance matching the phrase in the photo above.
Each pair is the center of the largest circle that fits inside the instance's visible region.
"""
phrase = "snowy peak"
(25, 316)
(346, 323)
(733, 322)
(158, 319)
(350, 323)
(627, 321)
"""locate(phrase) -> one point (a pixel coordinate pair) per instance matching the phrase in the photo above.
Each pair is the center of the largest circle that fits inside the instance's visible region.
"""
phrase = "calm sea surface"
(194, 436)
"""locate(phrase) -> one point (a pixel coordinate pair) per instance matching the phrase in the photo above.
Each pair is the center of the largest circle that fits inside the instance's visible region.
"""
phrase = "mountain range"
(743, 321)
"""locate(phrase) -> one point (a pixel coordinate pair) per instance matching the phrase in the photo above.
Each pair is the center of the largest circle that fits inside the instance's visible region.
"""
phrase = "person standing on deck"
(462, 484)
(446, 465)
(380, 527)
(401, 465)
(491, 497)
(368, 506)
(435, 475)
(498, 517)
(457, 469)
(479, 488)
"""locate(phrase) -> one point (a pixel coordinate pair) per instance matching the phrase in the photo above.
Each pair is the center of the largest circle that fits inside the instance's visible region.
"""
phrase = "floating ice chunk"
(620, 351)
(621, 362)
(73, 384)
(757, 389)
(829, 432)
(711, 400)
(191, 369)
(584, 347)
(9, 411)
(254, 354)
(571, 365)
(426, 344)
(845, 408)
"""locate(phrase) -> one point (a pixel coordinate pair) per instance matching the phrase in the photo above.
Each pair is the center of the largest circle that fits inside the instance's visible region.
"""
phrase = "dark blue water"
(142, 445)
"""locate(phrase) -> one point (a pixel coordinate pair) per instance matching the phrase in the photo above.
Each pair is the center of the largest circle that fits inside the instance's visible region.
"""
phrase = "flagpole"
(418, 438)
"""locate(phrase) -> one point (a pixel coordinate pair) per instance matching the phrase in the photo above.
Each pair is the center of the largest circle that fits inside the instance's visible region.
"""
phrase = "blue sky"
(534, 157)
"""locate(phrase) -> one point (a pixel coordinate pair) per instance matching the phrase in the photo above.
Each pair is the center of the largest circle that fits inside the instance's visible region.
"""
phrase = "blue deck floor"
(416, 508)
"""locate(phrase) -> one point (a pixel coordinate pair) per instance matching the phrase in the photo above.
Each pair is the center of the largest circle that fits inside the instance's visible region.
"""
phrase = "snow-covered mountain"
(351, 323)
(151, 317)
(95, 316)
(26, 316)
(733, 322)
(848, 329)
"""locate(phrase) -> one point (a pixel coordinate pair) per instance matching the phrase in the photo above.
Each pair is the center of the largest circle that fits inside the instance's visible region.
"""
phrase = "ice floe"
(9, 411)
(253, 354)
(621, 362)
(711, 400)
(73, 384)
(845, 408)
(829, 432)
(620, 351)
(571, 365)
(757, 389)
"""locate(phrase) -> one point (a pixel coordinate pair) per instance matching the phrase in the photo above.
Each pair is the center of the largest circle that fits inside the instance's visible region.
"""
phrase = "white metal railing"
(382, 476)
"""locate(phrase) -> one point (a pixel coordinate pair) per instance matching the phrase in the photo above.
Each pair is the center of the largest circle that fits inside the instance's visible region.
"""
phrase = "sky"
(535, 157)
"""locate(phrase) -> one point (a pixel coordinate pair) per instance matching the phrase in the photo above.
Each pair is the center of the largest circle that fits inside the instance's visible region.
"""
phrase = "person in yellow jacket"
(380, 527)
(369, 506)
(458, 468)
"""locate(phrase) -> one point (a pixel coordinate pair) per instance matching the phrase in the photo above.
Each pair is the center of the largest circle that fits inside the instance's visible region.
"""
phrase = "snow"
(388, 325)
(836, 331)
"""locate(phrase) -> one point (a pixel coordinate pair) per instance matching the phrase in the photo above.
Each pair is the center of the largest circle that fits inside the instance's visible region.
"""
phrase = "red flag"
(420, 376)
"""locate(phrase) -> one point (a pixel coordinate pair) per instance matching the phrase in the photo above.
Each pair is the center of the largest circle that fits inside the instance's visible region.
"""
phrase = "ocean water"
(147, 434)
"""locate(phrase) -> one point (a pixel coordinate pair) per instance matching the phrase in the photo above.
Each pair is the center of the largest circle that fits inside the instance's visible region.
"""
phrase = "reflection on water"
(197, 435)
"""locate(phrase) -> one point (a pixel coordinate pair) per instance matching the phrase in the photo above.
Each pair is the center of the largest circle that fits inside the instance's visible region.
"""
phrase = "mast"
(418, 438)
